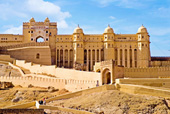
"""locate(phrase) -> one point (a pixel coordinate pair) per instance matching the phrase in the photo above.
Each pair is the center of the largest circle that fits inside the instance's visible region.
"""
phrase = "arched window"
(37, 56)
(40, 39)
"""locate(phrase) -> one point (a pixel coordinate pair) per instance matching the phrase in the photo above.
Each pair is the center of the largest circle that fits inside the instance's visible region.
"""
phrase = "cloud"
(26, 9)
(13, 30)
(46, 8)
(111, 17)
(123, 3)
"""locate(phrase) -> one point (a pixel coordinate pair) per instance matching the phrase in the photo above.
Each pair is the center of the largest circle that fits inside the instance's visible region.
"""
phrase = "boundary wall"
(59, 72)
(154, 82)
(149, 72)
(146, 90)
(69, 84)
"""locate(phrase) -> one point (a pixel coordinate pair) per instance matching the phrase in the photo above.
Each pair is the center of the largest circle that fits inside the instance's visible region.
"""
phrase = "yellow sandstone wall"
(60, 72)
(155, 82)
(150, 72)
(6, 58)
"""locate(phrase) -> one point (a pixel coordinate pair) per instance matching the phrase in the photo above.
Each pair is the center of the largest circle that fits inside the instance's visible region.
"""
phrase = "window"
(31, 39)
(77, 45)
(46, 31)
(77, 36)
(15, 38)
(142, 44)
(31, 31)
(37, 56)
(142, 36)
(46, 39)
(28, 31)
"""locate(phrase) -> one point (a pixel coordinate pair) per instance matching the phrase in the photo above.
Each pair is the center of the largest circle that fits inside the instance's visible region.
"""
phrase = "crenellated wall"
(69, 84)
(59, 72)
(159, 63)
(150, 72)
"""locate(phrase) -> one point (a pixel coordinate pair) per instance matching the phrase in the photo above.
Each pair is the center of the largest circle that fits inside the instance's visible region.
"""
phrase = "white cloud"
(32, 8)
(112, 17)
(13, 30)
(47, 8)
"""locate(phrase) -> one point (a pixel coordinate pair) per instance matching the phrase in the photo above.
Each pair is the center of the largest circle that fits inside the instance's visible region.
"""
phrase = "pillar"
(91, 60)
(87, 60)
(59, 58)
(63, 57)
(133, 58)
(128, 58)
(100, 56)
(123, 56)
(68, 58)
(95, 55)
(118, 58)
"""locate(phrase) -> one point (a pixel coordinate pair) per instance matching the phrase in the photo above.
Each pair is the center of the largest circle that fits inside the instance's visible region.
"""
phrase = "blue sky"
(124, 16)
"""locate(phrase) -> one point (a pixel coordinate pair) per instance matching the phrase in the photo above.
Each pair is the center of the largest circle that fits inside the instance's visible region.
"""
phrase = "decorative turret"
(143, 47)
(32, 20)
(78, 30)
(142, 29)
(108, 30)
(47, 20)
(108, 43)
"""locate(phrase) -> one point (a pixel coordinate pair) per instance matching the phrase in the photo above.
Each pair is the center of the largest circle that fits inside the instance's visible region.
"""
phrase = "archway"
(106, 76)
(40, 39)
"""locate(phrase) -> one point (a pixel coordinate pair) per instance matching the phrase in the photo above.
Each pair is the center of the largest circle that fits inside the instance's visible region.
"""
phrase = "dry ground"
(116, 102)
(20, 95)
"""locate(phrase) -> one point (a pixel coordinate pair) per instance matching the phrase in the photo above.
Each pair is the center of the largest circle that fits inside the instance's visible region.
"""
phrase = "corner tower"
(143, 47)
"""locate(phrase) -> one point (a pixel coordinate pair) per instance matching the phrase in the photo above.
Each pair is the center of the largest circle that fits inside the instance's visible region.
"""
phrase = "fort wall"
(159, 63)
(60, 72)
(69, 84)
(149, 72)
(154, 82)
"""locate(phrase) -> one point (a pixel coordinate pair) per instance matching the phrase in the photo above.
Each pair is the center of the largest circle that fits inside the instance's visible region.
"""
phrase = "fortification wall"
(39, 54)
(6, 58)
(155, 82)
(159, 63)
(69, 84)
(60, 72)
(150, 72)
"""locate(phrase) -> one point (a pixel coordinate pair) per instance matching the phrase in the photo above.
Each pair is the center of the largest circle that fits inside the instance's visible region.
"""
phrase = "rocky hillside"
(116, 102)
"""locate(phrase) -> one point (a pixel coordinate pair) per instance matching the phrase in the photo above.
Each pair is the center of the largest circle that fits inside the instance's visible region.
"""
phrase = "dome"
(32, 20)
(78, 30)
(142, 29)
(108, 30)
(46, 20)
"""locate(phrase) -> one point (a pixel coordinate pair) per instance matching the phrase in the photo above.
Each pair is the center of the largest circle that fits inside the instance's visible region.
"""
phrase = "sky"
(93, 16)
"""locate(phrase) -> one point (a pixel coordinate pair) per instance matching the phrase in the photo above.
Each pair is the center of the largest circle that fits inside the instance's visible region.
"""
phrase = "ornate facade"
(77, 50)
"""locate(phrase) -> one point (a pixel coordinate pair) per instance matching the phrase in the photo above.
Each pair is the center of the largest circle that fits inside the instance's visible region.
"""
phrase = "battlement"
(149, 72)
(24, 45)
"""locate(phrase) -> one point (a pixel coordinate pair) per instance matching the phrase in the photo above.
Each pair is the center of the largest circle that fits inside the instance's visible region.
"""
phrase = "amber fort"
(79, 60)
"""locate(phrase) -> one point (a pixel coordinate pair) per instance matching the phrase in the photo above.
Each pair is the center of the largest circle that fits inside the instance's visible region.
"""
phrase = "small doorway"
(106, 77)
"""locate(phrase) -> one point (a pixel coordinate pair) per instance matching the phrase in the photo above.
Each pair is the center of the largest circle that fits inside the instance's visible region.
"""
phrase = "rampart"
(149, 72)
(160, 63)
(59, 72)
(69, 84)
(24, 45)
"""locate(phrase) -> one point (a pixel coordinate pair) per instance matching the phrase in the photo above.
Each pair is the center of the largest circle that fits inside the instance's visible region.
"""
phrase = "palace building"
(40, 43)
